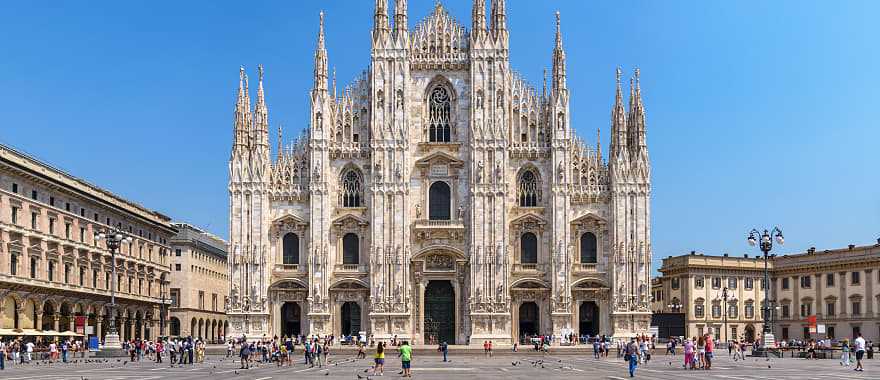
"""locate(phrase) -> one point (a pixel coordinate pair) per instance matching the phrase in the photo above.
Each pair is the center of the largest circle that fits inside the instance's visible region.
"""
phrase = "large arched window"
(350, 249)
(528, 190)
(291, 249)
(528, 248)
(588, 248)
(439, 110)
(352, 188)
(440, 201)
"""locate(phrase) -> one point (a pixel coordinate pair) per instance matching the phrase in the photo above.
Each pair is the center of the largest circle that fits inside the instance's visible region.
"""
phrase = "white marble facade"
(439, 196)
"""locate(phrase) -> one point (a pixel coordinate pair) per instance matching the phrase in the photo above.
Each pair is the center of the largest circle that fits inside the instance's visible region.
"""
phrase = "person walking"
(245, 354)
(710, 351)
(860, 352)
(844, 353)
(405, 354)
(444, 349)
(379, 360)
(688, 354)
(2, 355)
(630, 354)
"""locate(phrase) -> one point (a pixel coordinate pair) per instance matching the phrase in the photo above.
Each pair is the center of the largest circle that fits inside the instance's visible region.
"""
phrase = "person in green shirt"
(405, 354)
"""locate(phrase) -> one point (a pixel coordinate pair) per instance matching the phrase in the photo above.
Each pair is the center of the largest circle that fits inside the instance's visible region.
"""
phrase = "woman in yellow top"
(379, 367)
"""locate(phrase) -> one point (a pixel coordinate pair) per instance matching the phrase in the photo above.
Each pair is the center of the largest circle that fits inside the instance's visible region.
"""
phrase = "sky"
(759, 113)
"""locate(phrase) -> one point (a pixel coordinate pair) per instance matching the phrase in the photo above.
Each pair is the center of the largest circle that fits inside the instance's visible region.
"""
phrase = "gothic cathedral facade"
(439, 197)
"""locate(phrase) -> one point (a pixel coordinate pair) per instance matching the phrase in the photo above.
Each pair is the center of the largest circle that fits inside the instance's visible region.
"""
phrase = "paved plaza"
(528, 366)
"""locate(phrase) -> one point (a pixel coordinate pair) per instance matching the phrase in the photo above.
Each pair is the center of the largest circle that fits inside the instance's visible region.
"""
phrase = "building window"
(33, 220)
(785, 283)
(15, 187)
(82, 234)
(67, 206)
(350, 249)
(856, 308)
(439, 201)
(785, 333)
(675, 283)
(786, 311)
(107, 283)
(749, 283)
(806, 281)
(750, 310)
(830, 332)
(716, 282)
(733, 332)
(352, 186)
(13, 264)
(699, 282)
(529, 193)
(731, 282)
(856, 330)
(33, 267)
(51, 226)
(856, 278)
(82, 212)
(698, 311)
(95, 278)
(829, 309)
(732, 310)
(439, 112)
(806, 332)
(589, 248)
(52, 201)
(214, 302)
(829, 280)
(34, 194)
(67, 230)
(201, 300)
(66, 273)
(14, 215)
(177, 252)
(177, 267)
(290, 249)
(51, 271)
(175, 297)
(82, 276)
(806, 308)
(716, 310)
(528, 248)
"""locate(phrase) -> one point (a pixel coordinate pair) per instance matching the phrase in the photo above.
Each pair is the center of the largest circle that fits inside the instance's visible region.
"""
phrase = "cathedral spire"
(478, 15)
(544, 88)
(618, 123)
(380, 17)
(499, 16)
(279, 143)
(261, 114)
(241, 111)
(637, 117)
(599, 145)
(321, 59)
(558, 58)
(334, 83)
(400, 16)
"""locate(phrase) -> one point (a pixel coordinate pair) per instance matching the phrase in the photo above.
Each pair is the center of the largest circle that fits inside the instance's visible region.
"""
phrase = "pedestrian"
(444, 349)
(844, 353)
(379, 359)
(688, 354)
(405, 354)
(2, 355)
(596, 348)
(245, 354)
(710, 351)
(361, 353)
(64, 349)
(860, 352)
(486, 348)
(630, 355)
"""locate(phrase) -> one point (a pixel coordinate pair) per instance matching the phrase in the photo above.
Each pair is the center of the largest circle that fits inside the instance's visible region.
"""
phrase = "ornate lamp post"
(727, 299)
(766, 244)
(114, 239)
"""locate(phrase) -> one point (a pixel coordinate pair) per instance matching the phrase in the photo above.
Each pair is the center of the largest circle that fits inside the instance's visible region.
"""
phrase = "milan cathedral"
(439, 197)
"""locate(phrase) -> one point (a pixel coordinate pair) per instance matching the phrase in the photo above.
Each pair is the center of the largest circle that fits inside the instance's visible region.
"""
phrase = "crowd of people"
(24, 351)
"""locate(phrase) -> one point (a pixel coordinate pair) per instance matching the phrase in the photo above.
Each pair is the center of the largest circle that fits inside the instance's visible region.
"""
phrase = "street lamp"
(727, 300)
(114, 239)
(766, 244)
(675, 307)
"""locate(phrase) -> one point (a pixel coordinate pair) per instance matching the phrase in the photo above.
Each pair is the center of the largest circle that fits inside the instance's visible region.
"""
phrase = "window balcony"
(351, 268)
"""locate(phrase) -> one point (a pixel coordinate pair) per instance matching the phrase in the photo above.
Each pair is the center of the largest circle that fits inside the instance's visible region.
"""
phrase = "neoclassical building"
(55, 276)
(439, 197)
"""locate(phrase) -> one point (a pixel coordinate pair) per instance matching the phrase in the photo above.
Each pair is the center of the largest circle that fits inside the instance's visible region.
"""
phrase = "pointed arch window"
(528, 248)
(588, 248)
(439, 110)
(291, 249)
(528, 191)
(350, 249)
(352, 189)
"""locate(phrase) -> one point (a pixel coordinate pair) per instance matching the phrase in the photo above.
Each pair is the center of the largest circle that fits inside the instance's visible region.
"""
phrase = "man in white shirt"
(30, 351)
(860, 352)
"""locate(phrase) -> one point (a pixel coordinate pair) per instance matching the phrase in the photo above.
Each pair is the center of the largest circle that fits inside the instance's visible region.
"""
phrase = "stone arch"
(9, 312)
(530, 283)
(457, 253)
(351, 187)
(528, 186)
(49, 311)
(440, 201)
(201, 328)
(289, 283)
(193, 326)
(65, 316)
(440, 101)
(348, 280)
(174, 326)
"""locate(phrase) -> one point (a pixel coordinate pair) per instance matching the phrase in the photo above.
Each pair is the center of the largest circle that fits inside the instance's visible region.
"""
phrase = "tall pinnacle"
(499, 16)
(599, 145)
(618, 122)
(321, 59)
(400, 16)
(380, 17)
(240, 114)
(558, 58)
(279, 142)
(478, 16)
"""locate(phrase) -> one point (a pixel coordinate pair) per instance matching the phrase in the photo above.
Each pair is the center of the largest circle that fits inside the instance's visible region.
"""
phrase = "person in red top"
(160, 348)
(710, 351)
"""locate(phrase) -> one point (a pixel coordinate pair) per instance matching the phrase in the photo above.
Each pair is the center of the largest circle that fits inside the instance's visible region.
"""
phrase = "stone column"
(842, 285)
(819, 301)
(99, 324)
(56, 325)
(143, 325)
(39, 322)
(869, 293)
(72, 323)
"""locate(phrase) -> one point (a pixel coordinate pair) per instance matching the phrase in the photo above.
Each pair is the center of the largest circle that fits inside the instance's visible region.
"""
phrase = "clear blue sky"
(759, 113)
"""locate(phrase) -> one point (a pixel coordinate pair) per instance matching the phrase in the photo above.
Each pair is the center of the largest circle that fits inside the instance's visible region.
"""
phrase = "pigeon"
(359, 376)
(366, 370)
(327, 373)
(513, 364)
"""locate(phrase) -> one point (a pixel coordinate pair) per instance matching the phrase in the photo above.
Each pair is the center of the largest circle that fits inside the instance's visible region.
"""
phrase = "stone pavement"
(527, 366)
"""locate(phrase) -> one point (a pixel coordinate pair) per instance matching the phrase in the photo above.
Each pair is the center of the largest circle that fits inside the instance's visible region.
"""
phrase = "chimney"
(812, 250)
(851, 246)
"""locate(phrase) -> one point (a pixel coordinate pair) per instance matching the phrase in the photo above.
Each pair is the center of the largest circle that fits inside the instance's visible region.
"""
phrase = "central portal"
(439, 312)
(291, 316)
(351, 319)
